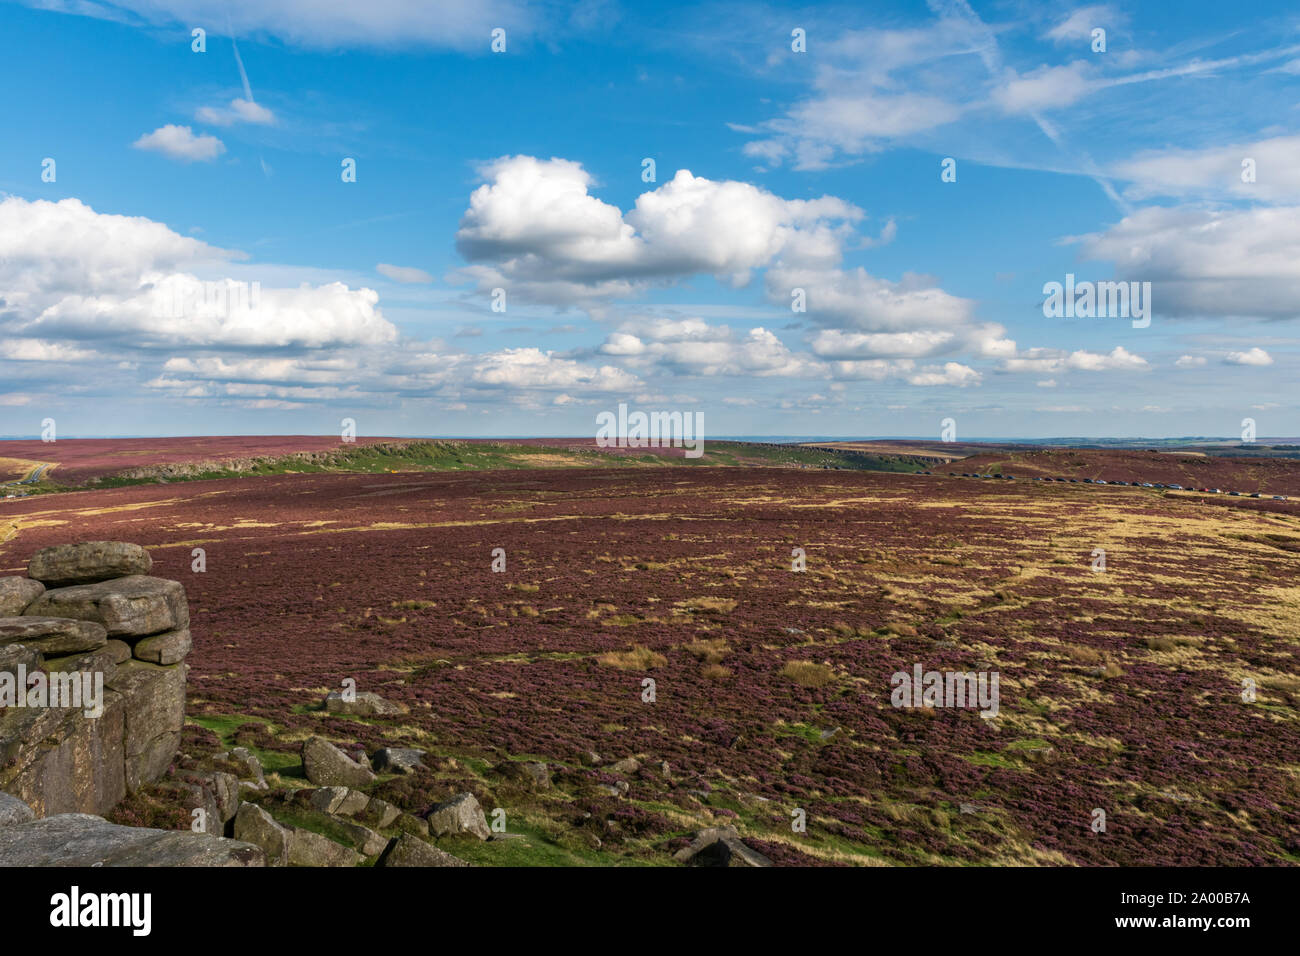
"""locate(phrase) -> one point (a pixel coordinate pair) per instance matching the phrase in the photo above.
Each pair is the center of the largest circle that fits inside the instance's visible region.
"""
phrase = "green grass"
(452, 455)
(535, 847)
(224, 726)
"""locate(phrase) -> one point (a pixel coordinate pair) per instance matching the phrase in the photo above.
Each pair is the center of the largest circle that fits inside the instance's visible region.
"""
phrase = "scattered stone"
(366, 840)
(194, 795)
(719, 846)
(398, 760)
(130, 606)
(13, 810)
(225, 786)
(87, 562)
(626, 765)
(970, 808)
(414, 825)
(828, 734)
(170, 647)
(589, 758)
(81, 840)
(53, 636)
(254, 825)
(1037, 754)
(529, 776)
(407, 850)
(460, 814)
(311, 849)
(251, 766)
(354, 802)
(327, 766)
(17, 593)
(364, 704)
(382, 813)
(327, 799)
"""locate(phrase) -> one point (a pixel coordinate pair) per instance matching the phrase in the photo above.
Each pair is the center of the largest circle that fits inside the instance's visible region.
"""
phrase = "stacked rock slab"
(92, 608)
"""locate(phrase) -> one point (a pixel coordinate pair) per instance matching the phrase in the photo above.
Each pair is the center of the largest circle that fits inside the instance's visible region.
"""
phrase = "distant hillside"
(1191, 469)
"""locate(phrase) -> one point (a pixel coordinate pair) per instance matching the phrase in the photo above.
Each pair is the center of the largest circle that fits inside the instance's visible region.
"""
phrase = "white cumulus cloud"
(179, 142)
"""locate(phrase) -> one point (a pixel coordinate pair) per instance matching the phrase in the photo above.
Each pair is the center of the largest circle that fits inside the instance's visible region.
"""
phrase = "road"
(31, 479)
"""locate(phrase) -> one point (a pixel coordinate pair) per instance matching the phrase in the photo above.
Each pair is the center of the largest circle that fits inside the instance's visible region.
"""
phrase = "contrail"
(243, 74)
(248, 89)
(992, 59)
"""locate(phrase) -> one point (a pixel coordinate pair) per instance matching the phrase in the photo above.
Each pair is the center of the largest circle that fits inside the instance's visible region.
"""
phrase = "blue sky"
(522, 170)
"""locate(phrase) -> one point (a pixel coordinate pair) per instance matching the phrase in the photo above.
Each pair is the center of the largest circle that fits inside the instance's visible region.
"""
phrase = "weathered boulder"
(53, 636)
(337, 800)
(16, 594)
(364, 704)
(78, 839)
(155, 713)
(527, 776)
(326, 799)
(327, 766)
(254, 825)
(397, 760)
(225, 786)
(193, 795)
(380, 813)
(103, 660)
(626, 765)
(408, 823)
(13, 810)
(57, 760)
(13, 655)
(365, 840)
(719, 846)
(222, 794)
(87, 561)
(251, 773)
(408, 850)
(311, 849)
(460, 814)
(132, 606)
(170, 647)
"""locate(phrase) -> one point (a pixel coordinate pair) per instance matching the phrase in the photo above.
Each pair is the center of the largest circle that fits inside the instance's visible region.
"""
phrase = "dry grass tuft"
(708, 605)
(1083, 655)
(710, 651)
(808, 673)
(638, 658)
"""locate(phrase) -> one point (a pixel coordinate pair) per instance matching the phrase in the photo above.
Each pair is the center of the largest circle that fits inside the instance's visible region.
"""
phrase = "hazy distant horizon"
(772, 439)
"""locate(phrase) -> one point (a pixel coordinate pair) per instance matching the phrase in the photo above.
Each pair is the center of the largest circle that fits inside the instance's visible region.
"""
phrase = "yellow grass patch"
(808, 673)
(638, 658)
